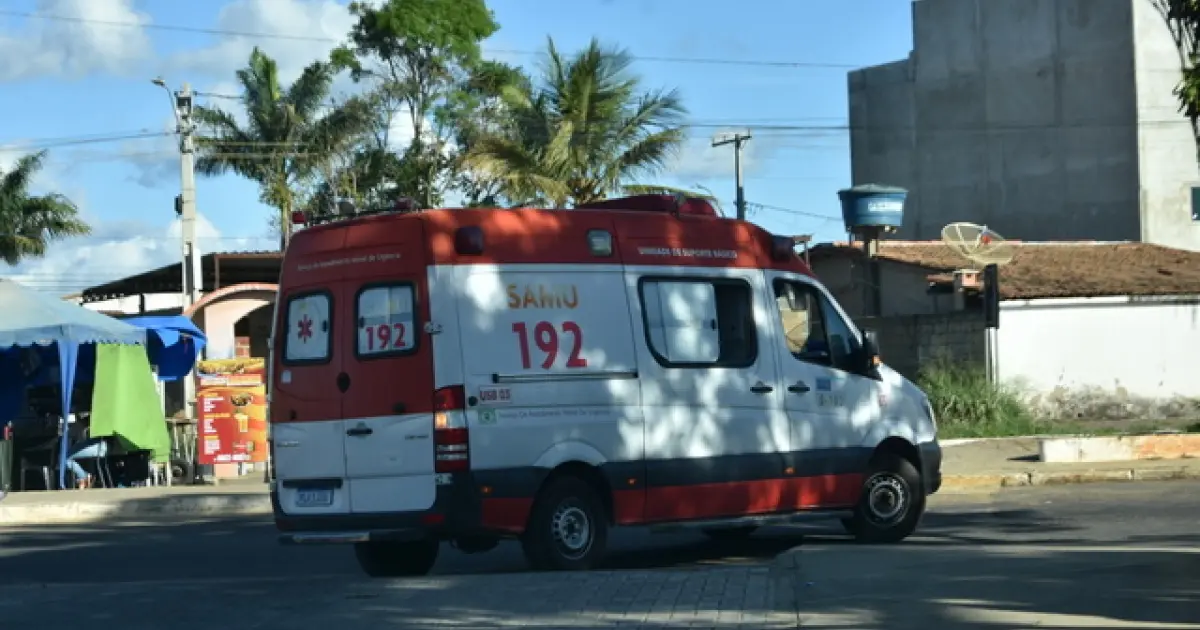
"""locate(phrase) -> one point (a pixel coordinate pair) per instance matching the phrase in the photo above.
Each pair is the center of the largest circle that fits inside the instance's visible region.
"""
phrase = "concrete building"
(1044, 119)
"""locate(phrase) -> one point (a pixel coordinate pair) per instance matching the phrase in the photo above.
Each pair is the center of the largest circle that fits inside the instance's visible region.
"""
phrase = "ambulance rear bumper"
(456, 512)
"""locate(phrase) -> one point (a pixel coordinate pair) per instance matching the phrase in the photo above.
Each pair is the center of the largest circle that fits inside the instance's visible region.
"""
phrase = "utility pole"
(181, 106)
(738, 141)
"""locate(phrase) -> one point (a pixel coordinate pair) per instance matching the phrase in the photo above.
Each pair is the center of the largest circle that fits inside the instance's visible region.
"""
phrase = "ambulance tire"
(567, 529)
(892, 502)
(396, 558)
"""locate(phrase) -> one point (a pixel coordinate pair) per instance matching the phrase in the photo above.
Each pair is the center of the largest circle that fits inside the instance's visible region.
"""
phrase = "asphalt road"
(220, 571)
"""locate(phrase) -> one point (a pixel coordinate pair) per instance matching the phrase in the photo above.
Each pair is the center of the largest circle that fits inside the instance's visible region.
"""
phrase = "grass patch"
(967, 405)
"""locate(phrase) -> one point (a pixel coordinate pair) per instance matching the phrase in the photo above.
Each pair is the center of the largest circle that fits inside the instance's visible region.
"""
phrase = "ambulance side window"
(699, 323)
(812, 329)
(308, 325)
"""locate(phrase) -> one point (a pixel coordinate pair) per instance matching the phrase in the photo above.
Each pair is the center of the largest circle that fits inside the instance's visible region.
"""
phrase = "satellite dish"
(977, 243)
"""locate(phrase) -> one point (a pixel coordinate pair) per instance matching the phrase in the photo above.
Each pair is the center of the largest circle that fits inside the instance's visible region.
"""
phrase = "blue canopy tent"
(30, 319)
(173, 345)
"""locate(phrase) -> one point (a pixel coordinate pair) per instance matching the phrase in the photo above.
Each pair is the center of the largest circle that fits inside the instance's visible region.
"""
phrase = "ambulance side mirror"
(870, 350)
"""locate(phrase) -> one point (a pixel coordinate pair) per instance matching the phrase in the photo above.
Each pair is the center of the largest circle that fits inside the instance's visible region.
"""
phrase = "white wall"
(1142, 346)
(1166, 149)
(129, 304)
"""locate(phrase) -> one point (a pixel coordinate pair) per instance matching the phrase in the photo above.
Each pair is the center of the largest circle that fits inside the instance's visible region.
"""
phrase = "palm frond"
(15, 183)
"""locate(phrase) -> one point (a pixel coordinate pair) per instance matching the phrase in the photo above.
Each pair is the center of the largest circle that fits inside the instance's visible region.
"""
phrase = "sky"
(76, 81)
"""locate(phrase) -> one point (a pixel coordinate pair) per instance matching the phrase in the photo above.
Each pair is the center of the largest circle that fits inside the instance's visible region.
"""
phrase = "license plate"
(310, 497)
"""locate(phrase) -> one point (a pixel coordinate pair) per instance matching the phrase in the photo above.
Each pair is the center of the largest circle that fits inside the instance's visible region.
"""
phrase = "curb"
(92, 512)
(81, 512)
(981, 483)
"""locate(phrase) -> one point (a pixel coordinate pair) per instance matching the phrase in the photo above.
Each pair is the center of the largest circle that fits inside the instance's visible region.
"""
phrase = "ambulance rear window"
(308, 338)
(385, 320)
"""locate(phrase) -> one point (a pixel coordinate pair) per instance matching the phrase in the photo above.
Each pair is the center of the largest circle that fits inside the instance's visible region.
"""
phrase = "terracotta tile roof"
(1057, 269)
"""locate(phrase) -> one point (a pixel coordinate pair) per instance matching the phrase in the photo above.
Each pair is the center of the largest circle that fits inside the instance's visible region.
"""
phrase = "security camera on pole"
(185, 207)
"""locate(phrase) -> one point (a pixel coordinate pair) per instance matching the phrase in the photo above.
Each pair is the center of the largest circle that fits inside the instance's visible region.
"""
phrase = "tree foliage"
(29, 223)
(414, 54)
(1182, 18)
(290, 136)
(582, 132)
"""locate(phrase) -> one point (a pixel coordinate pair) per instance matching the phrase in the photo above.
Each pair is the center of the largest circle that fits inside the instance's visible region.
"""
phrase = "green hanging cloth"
(125, 402)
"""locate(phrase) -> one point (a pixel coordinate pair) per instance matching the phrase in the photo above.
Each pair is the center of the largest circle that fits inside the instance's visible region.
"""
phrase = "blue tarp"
(173, 345)
(32, 319)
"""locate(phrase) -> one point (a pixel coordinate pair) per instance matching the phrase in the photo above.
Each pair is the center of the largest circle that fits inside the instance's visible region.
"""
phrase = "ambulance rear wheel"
(396, 559)
(892, 502)
(567, 529)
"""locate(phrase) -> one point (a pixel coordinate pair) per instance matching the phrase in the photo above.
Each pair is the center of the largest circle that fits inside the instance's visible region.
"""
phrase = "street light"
(181, 107)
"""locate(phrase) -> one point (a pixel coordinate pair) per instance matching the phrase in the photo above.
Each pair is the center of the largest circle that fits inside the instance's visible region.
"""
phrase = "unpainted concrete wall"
(1020, 114)
(908, 342)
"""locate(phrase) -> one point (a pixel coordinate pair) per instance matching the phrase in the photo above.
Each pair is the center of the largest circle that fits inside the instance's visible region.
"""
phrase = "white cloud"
(119, 249)
(76, 48)
(698, 159)
(155, 160)
(323, 22)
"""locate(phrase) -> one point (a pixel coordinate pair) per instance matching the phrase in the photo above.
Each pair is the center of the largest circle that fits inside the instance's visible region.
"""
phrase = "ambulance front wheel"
(397, 559)
(891, 504)
(567, 528)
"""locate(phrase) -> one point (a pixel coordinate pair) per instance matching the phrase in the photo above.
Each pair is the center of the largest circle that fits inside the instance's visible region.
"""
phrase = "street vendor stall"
(51, 331)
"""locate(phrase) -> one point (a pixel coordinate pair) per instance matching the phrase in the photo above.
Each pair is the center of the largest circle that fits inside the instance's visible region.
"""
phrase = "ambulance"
(466, 376)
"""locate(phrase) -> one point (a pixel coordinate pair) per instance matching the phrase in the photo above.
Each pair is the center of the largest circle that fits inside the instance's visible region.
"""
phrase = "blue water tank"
(872, 205)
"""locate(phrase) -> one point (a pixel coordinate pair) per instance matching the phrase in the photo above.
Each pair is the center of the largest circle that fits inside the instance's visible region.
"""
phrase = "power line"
(319, 38)
(802, 213)
(37, 146)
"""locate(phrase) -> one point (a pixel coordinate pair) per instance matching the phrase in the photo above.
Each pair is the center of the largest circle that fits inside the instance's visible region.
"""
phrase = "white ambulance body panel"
(548, 352)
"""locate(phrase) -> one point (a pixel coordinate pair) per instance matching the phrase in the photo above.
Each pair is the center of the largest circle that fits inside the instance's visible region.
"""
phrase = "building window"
(700, 323)
(308, 339)
(1196, 203)
(385, 319)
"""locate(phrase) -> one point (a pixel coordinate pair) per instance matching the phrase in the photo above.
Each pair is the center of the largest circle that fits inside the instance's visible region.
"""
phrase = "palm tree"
(289, 137)
(582, 132)
(29, 223)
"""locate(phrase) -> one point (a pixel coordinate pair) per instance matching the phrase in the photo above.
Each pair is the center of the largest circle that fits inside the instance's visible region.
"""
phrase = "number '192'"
(548, 340)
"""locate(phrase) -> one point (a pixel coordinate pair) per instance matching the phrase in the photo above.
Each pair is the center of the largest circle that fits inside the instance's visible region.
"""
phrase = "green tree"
(415, 54)
(1182, 18)
(475, 109)
(29, 223)
(583, 131)
(290, 137)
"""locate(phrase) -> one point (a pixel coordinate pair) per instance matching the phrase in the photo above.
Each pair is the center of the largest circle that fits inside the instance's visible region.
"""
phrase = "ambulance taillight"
(451, 438)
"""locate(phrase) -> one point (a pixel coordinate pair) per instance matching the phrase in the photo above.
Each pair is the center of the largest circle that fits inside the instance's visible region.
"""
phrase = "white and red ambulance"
(467, 376)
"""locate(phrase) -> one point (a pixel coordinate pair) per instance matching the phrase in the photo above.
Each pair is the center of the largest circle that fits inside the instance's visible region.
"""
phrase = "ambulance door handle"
(799, 388)
(357, 431)
(762, 389)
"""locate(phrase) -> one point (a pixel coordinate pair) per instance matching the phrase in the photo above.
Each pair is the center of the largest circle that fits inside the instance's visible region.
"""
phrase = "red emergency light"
(782, 247)
(299, 217)
(468, 240)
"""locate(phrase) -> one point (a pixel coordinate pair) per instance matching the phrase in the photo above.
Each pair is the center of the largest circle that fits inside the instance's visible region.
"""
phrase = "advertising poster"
(231, 400)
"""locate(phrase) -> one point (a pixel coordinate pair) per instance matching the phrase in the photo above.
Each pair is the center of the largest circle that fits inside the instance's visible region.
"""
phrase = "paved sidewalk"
(992, 464)
(741, 597)
(979, 466)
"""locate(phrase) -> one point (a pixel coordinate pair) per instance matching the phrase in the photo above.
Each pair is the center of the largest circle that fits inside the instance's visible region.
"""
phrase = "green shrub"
(967, 405)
